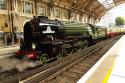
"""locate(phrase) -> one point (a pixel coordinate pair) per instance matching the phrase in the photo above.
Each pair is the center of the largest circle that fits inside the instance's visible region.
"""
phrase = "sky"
(109, 17)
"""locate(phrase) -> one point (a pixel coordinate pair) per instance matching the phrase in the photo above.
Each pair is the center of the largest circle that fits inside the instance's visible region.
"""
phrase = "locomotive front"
(41, 38)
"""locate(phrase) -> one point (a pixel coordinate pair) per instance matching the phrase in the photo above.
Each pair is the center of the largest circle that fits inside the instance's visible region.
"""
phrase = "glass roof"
(107, 3)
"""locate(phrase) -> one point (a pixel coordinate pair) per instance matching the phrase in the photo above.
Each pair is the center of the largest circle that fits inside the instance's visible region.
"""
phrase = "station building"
(14, 13)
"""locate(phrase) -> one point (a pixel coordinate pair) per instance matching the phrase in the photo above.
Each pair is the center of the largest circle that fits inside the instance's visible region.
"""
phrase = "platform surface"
(6, 51)
(110, 68)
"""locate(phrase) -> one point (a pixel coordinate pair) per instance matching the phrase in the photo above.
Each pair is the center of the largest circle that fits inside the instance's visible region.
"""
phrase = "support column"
(35, 9)
(10, 14)
(50, 8)
(88, 19)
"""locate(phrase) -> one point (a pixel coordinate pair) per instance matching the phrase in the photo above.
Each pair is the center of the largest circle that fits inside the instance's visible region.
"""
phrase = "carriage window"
(2, 4)
(28, 7)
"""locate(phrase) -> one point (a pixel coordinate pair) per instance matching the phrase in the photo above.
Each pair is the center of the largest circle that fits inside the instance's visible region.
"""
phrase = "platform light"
(33, 46)
(75, 1)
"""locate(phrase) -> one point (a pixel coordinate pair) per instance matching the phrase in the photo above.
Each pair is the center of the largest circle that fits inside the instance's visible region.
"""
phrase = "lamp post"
(10, 15)
(35, 1)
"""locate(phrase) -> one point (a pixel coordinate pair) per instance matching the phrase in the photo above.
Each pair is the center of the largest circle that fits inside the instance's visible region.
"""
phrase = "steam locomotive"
(46, 39)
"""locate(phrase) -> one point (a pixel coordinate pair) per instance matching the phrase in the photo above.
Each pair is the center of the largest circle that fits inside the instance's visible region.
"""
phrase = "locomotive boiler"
(47, 39)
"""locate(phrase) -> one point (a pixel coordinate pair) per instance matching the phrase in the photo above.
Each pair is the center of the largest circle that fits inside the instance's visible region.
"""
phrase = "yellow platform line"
(108, 74)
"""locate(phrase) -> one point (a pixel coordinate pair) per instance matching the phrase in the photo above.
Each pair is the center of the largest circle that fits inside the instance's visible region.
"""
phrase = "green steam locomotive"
(47, 39)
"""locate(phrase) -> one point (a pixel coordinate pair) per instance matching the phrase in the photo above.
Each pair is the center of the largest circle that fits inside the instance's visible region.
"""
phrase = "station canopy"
(94, 7)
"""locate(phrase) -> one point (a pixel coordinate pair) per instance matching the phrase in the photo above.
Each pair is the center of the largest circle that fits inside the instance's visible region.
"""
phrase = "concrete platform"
(110, 68)
(5, 51)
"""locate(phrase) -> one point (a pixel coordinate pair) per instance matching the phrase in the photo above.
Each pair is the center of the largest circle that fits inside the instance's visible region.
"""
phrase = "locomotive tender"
(46, 39)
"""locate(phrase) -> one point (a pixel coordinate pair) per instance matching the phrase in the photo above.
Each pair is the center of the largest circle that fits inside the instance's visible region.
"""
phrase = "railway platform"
(110, 68)
(8, 50)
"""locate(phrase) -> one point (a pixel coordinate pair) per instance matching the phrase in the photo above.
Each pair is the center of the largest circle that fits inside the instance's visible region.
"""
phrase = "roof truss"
(94, 7)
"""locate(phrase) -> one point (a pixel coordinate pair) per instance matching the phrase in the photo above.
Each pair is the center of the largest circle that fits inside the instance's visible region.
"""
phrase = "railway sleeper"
(72, 74)
(76, 71)
(65, 79)
(82, 65)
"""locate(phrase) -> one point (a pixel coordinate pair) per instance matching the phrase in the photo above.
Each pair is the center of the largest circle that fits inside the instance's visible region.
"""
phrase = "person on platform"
(9, 39)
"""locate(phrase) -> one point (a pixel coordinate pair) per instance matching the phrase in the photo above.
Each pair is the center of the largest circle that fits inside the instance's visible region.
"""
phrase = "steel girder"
(93, 7)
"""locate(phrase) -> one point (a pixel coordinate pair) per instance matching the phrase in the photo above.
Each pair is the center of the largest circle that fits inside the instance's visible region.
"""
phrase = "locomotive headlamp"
(33, 46)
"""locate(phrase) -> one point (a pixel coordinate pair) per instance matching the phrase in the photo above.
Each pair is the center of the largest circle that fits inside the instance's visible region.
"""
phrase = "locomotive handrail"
(47, 24)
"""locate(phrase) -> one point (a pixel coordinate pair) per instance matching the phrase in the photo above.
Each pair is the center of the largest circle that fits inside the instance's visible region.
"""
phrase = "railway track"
(6, 55)
(69, 68)
(65, 68)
